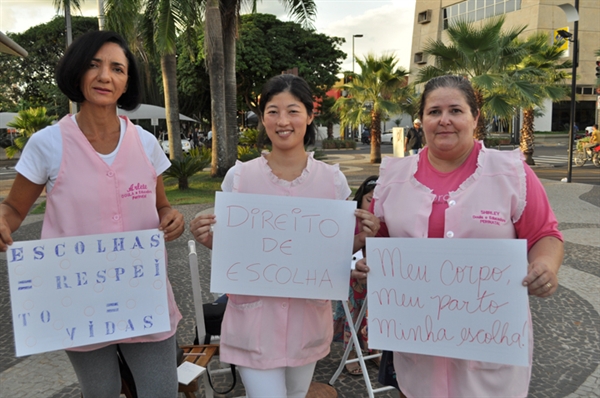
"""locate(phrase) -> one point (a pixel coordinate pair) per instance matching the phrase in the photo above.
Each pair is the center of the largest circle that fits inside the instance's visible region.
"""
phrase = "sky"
(386, 25)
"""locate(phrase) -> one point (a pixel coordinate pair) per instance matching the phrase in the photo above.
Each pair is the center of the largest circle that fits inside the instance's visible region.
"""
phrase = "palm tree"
(161, 23)
(378, 91)
(27, 122)
(484, 54)
(66, 5)
(220, 43)
(543, 69)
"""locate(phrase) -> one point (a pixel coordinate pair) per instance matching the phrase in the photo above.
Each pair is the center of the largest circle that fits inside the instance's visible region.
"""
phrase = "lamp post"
(572, 13)
(353, 36)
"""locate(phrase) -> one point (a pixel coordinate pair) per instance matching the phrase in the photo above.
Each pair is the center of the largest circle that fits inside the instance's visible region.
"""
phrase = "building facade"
(432, 17)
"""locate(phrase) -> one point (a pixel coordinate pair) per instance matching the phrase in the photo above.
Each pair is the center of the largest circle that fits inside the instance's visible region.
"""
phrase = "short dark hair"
(367, 186)
(73, 65)
(300, 89)
(460, 83)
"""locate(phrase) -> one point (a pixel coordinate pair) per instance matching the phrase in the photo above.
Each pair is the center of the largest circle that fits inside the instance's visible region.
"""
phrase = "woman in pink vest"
(87, 162)
(276, 341)
(440, 194)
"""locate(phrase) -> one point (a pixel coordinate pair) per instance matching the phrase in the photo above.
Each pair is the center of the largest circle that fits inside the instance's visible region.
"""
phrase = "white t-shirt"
(41, 157)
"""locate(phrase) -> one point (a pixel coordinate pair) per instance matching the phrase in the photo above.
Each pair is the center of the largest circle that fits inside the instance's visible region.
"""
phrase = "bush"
(338, 144)
(249, 137)
(191, 163)
(246, 153)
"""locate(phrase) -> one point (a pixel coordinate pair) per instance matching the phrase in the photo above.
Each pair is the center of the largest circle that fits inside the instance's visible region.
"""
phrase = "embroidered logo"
(137, 191)
(490, 217)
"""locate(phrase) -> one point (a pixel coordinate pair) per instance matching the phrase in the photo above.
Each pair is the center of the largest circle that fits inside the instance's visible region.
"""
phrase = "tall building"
(432, 18)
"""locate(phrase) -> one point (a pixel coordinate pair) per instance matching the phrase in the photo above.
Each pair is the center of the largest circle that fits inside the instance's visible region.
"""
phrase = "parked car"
(164, 143)
(387, 137)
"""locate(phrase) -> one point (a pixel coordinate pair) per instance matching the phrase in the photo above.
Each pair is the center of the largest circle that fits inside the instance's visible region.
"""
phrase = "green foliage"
(249, 138)
(246, 153)
(188, 165)
(29, 82)
(268, 46)
(27, 122)
(338, 144)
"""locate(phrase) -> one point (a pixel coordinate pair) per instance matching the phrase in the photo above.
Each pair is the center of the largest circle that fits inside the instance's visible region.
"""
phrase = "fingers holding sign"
(201, 229)
(360, 271)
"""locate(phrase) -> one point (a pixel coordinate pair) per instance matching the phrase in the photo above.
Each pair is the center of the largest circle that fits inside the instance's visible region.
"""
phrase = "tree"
(484, 54)
(27, 122)
(379, 90)
(29, 82)
(543, 69)
(160, 24)
(221, 18)
(268, 46)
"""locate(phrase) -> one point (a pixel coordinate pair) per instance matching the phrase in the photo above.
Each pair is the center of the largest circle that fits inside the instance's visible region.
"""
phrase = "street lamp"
(353, 36)
(572, 13)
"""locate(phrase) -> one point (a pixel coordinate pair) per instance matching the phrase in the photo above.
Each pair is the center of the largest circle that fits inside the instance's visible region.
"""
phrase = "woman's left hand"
(541, 280)
(171, 223)
(545, 258)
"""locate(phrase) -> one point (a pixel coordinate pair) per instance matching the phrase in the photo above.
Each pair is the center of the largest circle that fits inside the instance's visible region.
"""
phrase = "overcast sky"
(386, 24)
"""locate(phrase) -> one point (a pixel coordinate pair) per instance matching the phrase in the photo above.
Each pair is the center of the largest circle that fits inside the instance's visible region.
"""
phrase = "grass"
(202, 189)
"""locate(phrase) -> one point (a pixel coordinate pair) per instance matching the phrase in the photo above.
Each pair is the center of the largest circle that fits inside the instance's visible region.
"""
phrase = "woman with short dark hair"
(86, 162)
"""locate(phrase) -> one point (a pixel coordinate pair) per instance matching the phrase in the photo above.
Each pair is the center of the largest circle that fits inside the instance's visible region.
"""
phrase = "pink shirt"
(409, 194)
(271, 332)
(88, 198)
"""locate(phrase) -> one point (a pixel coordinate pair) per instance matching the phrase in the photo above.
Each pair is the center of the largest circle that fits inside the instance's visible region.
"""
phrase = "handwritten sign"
(458, 298)
(278, 246)
(71, 292)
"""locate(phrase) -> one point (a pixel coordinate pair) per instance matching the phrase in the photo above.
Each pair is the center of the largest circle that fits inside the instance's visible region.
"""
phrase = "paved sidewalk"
(566, 326)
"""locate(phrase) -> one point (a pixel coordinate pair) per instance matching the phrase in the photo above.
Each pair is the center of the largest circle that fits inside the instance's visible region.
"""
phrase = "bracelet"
(158, 211)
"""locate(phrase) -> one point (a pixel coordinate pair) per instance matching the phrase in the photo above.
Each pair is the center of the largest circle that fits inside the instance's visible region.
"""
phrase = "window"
(419, 58)
(424, 17)
(476, 10)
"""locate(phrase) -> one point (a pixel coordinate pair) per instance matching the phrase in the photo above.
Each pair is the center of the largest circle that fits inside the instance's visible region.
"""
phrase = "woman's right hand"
(201, 228)
(5, 235)
(360, 271)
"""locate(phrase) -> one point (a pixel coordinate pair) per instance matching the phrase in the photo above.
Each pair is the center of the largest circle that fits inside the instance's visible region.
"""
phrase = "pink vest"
(89, 197)
(273, 332)
(498, 185)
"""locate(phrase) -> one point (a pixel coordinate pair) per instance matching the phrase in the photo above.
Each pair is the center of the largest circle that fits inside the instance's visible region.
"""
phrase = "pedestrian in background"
(413, 141)
(82, 161)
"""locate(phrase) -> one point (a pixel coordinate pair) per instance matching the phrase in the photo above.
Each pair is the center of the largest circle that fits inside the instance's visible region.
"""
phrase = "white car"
(387, 137)
(164, 143)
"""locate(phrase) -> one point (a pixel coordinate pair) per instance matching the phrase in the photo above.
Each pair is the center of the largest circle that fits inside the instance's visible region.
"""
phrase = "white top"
(41, 157)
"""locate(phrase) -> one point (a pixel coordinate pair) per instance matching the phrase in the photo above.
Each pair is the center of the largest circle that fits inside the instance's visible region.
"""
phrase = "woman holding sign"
(276, 341)
(441, 193)
(102, 174)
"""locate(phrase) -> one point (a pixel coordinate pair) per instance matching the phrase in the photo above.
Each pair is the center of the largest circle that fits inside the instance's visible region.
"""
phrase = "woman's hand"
(360, 271)
(171, 223)
(5, 235)
(369, 226)
(545, 258)
(201, 228)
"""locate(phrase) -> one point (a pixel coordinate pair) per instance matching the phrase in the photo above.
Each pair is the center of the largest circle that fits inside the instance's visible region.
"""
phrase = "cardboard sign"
(277, 246)
(71, 292)
(458, 298)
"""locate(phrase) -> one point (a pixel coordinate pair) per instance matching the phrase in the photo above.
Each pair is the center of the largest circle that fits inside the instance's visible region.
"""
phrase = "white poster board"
(458, 298)
(71, 292)
(278, 246)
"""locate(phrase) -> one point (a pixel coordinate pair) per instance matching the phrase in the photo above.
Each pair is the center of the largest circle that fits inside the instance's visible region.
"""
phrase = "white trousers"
(277, 383)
